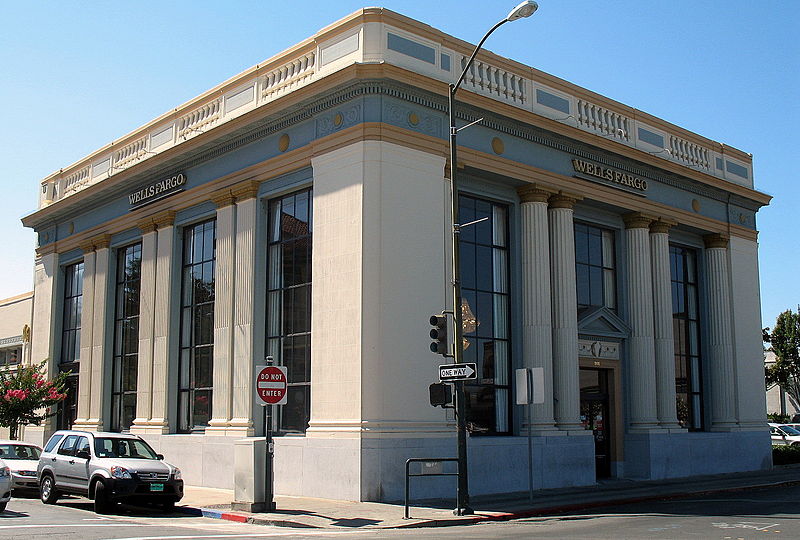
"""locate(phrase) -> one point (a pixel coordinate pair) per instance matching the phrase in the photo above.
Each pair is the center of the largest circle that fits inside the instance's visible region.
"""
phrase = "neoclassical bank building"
(302, 210)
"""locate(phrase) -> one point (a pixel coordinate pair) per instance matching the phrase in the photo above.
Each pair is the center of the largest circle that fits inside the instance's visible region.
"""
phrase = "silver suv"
(108, 468)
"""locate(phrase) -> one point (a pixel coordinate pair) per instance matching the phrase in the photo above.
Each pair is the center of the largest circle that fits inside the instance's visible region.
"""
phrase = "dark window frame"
(196, 337)
(126, 337)
(69, 357)
(586, 264)
(288, 301)
(485, 268)
(684, 286)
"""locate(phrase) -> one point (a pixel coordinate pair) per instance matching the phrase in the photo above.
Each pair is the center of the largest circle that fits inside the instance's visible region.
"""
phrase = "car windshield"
(789, 430)
(114, 447)
(19, 451)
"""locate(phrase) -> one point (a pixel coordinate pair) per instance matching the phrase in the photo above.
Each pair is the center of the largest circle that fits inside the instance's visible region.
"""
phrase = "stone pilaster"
(241, 423)
(641, 343)
(147, 301)
(537, 344)
(164, 297)
(87, 322)
(722, 356)
(662, 324)
(564, 314)
(99, 331)
(223, 313)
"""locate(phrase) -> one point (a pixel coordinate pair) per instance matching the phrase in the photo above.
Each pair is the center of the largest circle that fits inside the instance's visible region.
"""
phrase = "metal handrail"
(424, 460)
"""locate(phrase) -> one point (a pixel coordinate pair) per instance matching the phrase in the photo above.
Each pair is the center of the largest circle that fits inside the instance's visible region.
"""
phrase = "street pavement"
(333, 514)
(742, 514)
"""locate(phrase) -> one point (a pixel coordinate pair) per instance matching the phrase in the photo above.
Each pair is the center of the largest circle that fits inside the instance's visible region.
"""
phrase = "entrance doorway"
(595, 416)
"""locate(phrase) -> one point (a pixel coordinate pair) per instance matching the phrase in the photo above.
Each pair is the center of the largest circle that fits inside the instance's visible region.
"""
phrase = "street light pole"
(525, 9)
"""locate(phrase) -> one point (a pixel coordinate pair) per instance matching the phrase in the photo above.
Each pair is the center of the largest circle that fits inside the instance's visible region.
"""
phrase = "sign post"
(271, 387)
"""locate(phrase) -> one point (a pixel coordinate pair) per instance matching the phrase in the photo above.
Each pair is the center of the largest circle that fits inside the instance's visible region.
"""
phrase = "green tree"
(784, 341)
(26, 395)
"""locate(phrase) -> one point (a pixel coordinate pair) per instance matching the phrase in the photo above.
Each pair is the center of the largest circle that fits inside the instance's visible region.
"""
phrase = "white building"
(301, 210)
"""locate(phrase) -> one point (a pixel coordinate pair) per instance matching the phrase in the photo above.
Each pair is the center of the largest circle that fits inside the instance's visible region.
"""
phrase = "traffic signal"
(439, 334)
(441, 395)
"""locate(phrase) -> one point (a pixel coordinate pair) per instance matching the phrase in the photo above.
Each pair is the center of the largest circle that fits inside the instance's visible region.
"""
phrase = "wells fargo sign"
(609, 175)
(157, 190)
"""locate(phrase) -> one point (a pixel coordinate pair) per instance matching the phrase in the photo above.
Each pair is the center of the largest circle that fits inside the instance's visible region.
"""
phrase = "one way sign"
(458, 372)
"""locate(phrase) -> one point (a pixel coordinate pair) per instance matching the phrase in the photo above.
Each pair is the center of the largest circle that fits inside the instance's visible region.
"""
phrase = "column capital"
(637, 220)
(164, 219)
(662, 226)
(245, 190)
(534, 193)
(715, 241)
(563, 200)
(223, 198)
(101, 241)
(87, 246)
(146, 225)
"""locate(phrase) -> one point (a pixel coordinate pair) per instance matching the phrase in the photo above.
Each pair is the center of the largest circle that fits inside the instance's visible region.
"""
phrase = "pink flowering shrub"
(26, 396)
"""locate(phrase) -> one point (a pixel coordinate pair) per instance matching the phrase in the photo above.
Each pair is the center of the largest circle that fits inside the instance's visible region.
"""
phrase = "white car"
(783, 435)
(22, 458)
(5, 485)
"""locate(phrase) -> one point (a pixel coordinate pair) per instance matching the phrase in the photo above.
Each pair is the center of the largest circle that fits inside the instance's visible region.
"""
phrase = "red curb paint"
(234, 517)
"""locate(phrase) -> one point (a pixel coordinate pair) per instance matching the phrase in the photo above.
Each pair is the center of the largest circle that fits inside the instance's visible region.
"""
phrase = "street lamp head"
(525, 9)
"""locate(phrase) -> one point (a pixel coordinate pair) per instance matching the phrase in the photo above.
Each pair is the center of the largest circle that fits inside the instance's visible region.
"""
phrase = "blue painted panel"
(551, 100)
(736, 169)
(719, 164)
(651, 138)
(411, 48)
(445, 61)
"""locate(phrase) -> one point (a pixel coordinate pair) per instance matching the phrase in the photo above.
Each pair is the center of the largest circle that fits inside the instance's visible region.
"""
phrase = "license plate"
(156, 487)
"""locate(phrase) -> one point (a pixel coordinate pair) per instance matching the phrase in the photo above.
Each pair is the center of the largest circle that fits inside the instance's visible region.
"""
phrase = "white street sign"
(458, 372)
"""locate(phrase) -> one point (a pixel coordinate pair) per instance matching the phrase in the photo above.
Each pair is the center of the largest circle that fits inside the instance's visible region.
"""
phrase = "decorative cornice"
(662, 226)
(223, 198)
(563, 200)
(712, 241)
(637, 220)
(534, 193)
(164, 219)
(246, 190)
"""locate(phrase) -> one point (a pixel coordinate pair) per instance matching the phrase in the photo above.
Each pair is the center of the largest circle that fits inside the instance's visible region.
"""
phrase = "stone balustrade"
(427, 52)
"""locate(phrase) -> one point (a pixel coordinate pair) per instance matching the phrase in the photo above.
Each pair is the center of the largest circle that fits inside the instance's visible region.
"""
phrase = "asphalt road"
(747, 514)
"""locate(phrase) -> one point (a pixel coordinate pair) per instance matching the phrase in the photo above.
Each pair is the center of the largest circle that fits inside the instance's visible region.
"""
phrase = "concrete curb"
(482, 517)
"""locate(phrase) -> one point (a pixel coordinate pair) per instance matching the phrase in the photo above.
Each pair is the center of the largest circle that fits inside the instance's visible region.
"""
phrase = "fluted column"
(87, 322)
(147, 300)
(99, 331)
(223, 312)
(165, 268)
(564, 314)
(662, 324)
(720, 345)
(537, 345)
(244, 313)
(641, 343)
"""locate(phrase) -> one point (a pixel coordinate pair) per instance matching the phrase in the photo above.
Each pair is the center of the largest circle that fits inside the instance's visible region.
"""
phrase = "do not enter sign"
(271, 384)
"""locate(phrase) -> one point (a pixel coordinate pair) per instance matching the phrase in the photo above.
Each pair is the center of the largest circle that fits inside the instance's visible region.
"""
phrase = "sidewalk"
(333, 514)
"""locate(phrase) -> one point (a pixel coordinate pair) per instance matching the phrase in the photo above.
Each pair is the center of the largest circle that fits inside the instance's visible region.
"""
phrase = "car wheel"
(47, 490)
(102, 504)
(3, 506)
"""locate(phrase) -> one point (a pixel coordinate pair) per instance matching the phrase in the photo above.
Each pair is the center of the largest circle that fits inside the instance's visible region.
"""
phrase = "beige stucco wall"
(15, 312)
(748, 345)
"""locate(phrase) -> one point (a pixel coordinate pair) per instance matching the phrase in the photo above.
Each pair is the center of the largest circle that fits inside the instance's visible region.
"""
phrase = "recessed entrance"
(595, 416)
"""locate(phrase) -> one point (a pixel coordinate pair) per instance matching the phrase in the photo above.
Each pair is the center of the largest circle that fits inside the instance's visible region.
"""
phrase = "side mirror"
(160, 456)
(82, 454)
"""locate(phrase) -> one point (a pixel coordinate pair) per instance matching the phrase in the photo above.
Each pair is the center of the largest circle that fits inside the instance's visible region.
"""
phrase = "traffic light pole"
(524, 9)
(462, 496)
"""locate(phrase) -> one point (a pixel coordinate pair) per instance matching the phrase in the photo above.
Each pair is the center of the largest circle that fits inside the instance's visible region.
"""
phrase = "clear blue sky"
(76, 75)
